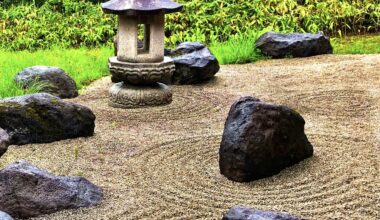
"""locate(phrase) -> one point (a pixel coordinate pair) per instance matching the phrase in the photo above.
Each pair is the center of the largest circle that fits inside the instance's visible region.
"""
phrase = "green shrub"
(38, 3)
(9, 3)
(219, 19)
(75, 23)
(64, 23)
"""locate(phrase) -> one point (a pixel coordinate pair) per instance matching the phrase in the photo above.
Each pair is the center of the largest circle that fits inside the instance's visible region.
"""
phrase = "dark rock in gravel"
(194, 63)
(53, 79)
(4, 142)
(279, 45)
(43, 118)
(260, 140)
(26, 191)
(244, 213)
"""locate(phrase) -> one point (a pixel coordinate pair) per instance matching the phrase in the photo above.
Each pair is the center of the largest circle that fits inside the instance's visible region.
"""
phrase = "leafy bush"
(64, 23)
(38, 3)
(9, 3)
(208, 20)
(74, 23)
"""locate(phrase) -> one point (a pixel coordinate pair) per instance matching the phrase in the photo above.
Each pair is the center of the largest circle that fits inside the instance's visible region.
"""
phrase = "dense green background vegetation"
(36, 24)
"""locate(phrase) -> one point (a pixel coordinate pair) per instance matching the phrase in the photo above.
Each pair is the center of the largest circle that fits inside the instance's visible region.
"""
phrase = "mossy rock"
(43, 118)
(52, 80)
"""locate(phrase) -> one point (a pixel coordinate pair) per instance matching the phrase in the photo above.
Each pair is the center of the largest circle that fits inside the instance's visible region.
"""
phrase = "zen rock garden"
(252, 144)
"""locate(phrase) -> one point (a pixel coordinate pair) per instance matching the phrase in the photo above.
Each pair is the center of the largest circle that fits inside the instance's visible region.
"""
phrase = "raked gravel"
(162, 162)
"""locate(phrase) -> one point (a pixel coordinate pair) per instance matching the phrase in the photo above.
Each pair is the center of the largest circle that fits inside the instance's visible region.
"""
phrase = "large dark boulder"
(5, 216)
(26, 191)
(260, 140)
(43, 118)
(194, 63)
(279, 45)
(244, 213)
(4, 142)
(53, 80)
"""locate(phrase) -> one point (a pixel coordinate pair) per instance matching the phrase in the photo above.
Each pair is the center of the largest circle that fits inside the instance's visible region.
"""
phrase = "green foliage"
(42, 24)
(357, 45)
(38, 3)
(83, 65)
(64, 23)
(238, 49)
(9, 3)
(208, 20)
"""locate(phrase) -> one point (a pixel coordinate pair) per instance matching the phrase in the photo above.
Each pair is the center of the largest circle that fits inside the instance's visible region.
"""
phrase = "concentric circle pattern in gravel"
(162, 162)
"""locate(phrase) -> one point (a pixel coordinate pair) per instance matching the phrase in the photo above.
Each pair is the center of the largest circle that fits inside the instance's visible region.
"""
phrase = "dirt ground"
(162, 162)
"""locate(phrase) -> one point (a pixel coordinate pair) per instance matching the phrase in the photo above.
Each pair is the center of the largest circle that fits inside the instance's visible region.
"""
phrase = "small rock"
(260, 140)
(5, 216)
(27, 191)
(43, 118)
(54, 80)
(4, 142)
(244, 213)
(194, 64)
(279, 45)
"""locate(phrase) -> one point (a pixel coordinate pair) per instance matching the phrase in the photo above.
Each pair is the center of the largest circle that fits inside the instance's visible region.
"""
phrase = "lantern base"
(130, 96)
(141, 73)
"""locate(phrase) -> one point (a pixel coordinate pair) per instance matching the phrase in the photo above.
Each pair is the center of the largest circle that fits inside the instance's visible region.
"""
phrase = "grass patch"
(238, 50)
(86, 65)
(83, 65)
(366, 44)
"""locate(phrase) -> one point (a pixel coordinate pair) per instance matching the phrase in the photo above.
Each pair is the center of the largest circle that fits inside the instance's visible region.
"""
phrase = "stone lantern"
(140, 70)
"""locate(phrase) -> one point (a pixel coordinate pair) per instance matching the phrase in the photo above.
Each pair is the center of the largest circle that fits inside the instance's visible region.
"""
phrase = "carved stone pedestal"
(140, 84)
(141, 73)
(130, 96)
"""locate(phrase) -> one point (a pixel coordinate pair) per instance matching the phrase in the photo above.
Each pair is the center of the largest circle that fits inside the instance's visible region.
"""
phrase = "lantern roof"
(140, 6)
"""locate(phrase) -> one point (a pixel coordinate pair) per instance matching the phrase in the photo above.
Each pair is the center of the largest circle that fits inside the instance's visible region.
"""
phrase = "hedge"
(76, 23)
